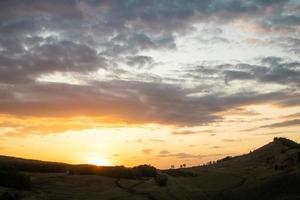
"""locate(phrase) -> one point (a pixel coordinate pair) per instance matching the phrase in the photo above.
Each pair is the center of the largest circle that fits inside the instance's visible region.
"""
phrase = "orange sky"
(86, 140)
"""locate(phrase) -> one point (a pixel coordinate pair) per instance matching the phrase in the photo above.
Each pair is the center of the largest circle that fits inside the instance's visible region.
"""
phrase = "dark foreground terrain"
(270, 172)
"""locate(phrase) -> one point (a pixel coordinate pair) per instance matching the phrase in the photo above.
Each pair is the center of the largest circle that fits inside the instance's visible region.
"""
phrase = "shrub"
(14, 179)
(224, 159)
(146, 170)
(161, 179)
(9, 196)
(179, 172)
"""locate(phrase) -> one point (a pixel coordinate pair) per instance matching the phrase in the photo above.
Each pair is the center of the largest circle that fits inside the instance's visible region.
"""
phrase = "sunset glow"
(100, 161)
(155, 82)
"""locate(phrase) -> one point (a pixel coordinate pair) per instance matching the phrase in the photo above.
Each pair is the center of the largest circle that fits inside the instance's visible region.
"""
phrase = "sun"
(99, 161)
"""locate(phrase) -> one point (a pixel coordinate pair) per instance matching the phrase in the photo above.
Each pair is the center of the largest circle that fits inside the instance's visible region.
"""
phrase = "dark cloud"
(282, 73)
(139, 61)
(282, 23)
(271, 70)
(133, 43)
(118, 27)
(291, 44)
(40, 38)
(292, 101)
(214, 40)
(128, 101)
(237, 75)
(59, 56)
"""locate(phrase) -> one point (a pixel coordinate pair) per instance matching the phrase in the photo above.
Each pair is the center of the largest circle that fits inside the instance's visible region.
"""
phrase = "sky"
(160, 82)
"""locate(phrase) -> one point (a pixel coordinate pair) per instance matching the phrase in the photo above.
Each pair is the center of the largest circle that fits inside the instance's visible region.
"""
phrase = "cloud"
(117, 28)
(180, 155)
(270, 133)
(231, 140)
(164, 152)
(183, 155)
(157, 140)
(241, 112)
(296, 115)
(129, 102)
(139, 61)
(284, 23)
(20, 126)
(288, 123)
(189, 132)
(136, 141)
(59, 56)
(294, 122)
(270, 70)
(274, 71)
(290, 43)
(147, 151)
(86, 39)
(216, 147)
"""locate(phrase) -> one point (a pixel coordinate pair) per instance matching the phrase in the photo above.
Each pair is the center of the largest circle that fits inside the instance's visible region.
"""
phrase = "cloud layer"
(114, 60)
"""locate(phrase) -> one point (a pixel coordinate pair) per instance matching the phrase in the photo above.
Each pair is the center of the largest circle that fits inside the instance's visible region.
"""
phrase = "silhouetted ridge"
(285, 141)
(280, 154)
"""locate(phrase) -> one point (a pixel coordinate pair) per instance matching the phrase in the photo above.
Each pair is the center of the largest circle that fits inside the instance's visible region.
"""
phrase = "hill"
(270, 172)
(280, 154)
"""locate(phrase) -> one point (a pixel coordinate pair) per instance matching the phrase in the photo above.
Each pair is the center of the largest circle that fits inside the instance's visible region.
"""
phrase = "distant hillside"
(280, 154)
(271, 172)
(32, 165)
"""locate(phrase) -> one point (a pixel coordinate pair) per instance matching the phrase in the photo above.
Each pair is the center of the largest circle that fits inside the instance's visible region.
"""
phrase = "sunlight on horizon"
(99, 161)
